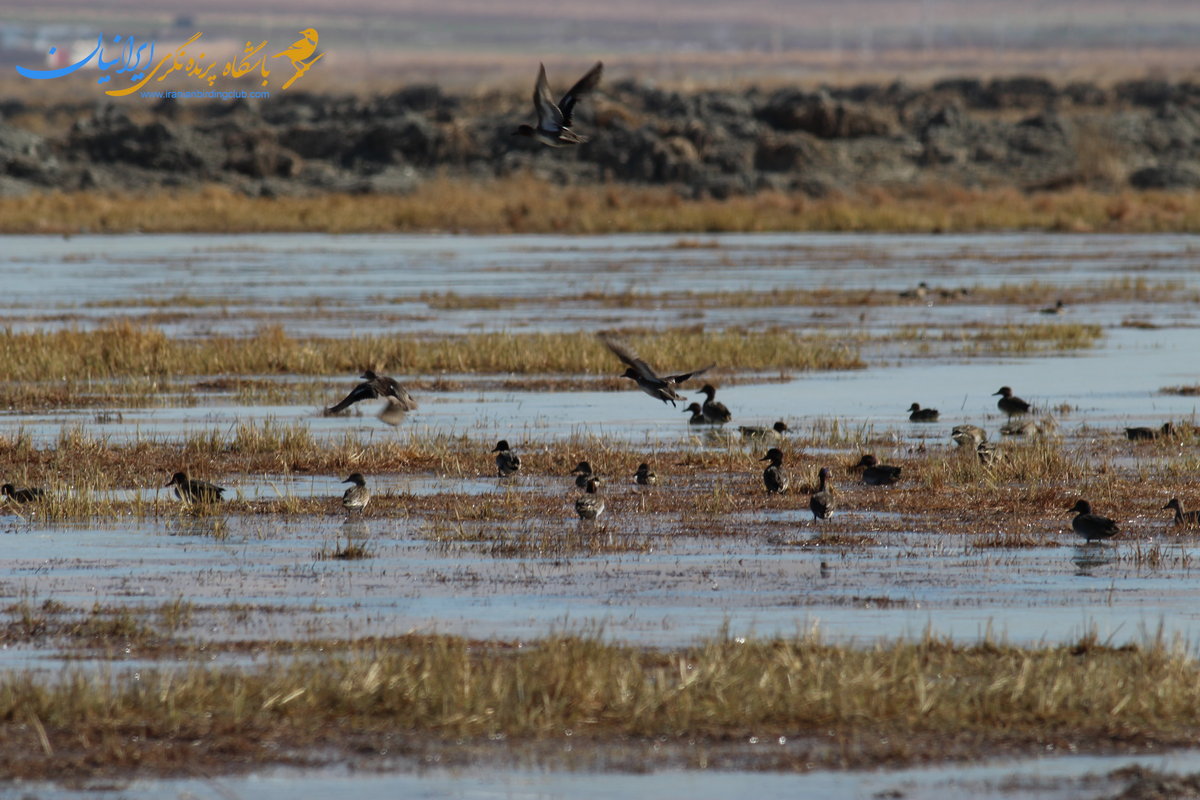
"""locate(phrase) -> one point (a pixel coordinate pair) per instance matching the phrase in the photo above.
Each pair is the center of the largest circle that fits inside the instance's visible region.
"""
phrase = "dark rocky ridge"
(1023, 132)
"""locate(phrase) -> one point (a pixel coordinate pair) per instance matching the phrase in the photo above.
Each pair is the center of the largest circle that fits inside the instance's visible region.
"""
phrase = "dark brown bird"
(1092, 527)
(507, 462)
(357, 496)
(27, 495)
(590, 504)
(1186, 518)
(919, 414)
(376, 386)
(775, 478)
(193, 491)
(644, 475)
(715, 412)
(1147, 434)
(660, 388)
(874, 473)
(821, 503)
(553, 127)
(582, 473)
(1010, 404)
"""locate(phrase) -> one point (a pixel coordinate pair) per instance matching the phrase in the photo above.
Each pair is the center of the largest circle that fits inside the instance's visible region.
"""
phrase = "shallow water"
(1050, 778)
(669, 589)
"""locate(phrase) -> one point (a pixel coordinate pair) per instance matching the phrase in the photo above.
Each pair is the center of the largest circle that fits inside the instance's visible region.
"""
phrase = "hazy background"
(373, 45)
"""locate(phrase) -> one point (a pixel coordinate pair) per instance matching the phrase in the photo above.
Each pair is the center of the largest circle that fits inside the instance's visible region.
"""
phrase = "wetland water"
(670, 589)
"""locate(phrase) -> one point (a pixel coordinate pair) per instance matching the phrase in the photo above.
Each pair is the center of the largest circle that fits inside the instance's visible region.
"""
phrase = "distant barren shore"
(961, 154)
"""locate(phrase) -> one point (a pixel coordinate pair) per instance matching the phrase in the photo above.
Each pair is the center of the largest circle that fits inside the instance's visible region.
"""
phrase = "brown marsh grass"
(523, 204)
(893, 702)
(124, 350)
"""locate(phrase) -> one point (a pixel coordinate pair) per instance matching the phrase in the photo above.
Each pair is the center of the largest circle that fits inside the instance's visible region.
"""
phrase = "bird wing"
(582, 86)
(683, 376)
(549, 117)
(631, 359)
(364, 391)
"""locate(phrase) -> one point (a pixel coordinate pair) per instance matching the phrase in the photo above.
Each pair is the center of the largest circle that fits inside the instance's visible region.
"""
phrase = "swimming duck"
(1010, 404)
(715, 412)
(193, 491)
(644, 475)
(1186, 518)
(660, 388)
(918, 293)
(968, 435)
(922, 414)
(1146, 434)
(507, 462)
(554, 121)
(590, 505)
(26, 495)
(776, 431)
(821, 503)
(1092, 527)
(775, 478)
(874, 473)
(357, 496)
(582, 473)
(376, 386)
(1057, 308)
(697, 415)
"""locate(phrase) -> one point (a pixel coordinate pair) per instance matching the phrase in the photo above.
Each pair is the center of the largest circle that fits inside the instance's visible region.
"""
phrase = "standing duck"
(1148, 434)
(715, 412)
(1186, 518)
(968, 435)
(697, 415)
(590, 505)
(775, 478)
(507, 462)
(1009, 403)
(821, 503)
(582, 473)
(193, 491)
(357, 496)
(1092, 527)
(644, 475)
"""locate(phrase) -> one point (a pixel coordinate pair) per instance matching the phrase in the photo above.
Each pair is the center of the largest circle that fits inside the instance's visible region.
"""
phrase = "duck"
(590, 505)
(775, 478)
(776, 431)
(644, 475)
(821, 503)
(193, 491)
(26, 495)
(697, 415)
(918, 293)
(1009, 403)
(553, 127)
(1148, 434)
(1092, 527)
(874, 473)
(1057, 308)
(357, 496)
(507, 462)
(582, 473)
(922, 414)
(660, 388)
(968, 435)
(1185, 518)
(988, 453)
(376, 386)
(715, 412)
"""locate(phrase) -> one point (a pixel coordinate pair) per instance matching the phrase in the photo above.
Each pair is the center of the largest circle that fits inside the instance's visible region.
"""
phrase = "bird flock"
(553, 129)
